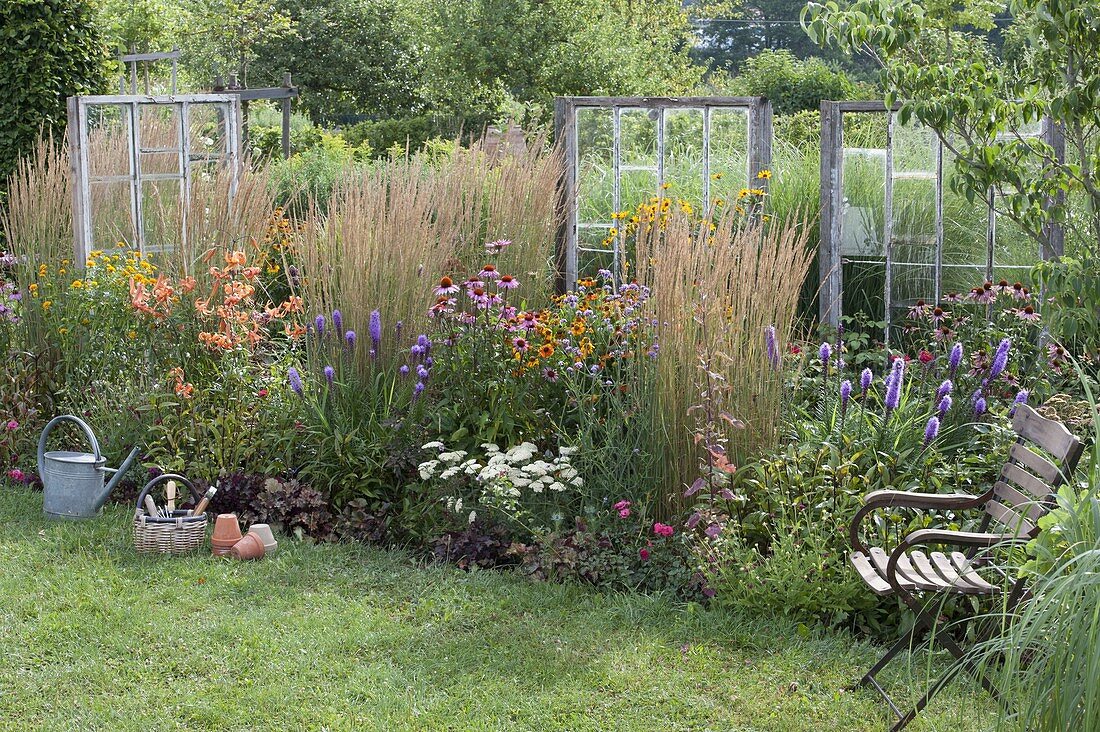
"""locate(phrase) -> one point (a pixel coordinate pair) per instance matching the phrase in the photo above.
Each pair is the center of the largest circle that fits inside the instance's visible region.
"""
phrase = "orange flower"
(293, 304)
(235, 259)
(250, 273)
(187, 284)
(162, 291)
(203, 307)
(294, 331)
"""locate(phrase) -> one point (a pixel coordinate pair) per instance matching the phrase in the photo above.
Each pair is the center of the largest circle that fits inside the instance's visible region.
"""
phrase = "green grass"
(95, 637)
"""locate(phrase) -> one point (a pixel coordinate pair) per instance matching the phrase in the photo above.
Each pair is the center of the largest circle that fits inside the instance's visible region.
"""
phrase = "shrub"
(794, 85)
(407, 133)
(51, 50)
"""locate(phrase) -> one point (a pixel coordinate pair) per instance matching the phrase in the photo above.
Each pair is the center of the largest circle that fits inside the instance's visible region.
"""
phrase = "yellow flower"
(34, 288)
(764, 174)
(665, 186)
(77, 284)
(121, 245)
(131, 335)
(62, 331)
(110, 268)
(42, 270)
(612, 232)
(46, 304)
(716, 176)
(90, 263)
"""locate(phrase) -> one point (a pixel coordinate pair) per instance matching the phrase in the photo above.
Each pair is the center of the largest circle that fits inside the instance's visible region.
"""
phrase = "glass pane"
(638, 137)
(863, 203)
(729, 153)
(108, 127)
(589, 263)
(206, 131)
(161, 210)
(684, 155)
(595, 176)
(637, 187)
(111, 219)
(159, 127)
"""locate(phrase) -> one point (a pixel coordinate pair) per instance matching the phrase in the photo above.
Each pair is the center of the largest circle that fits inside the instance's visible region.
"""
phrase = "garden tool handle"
(49, 428)
(195, 494)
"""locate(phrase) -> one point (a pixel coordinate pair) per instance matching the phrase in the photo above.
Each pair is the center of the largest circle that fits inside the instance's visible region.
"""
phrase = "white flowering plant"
(535, 489)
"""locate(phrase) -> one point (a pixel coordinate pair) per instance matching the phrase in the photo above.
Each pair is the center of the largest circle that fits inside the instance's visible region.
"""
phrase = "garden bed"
(342, 636)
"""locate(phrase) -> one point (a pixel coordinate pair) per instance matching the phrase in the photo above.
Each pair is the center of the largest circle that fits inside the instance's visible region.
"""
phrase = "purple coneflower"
(477, 294)
(845, 394)
(944, 405)
(520, 344)
(952, 297)
(955, 358)
(498, 246)
(295, 380)
(375, 329)
(489, 272)
(338, 321)
(865, 379)
(771, 347)
(330, 374)
(1027, 313)
(319, 325)
(507, 282)
(931, 429)
(446, 287)
(550, 375)
(1021, 398)
(1000, 358)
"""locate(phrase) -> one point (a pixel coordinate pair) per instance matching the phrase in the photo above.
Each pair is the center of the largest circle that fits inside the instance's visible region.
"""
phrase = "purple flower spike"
(338, 321)
(330, 374)
(1021, 398)
(771, 346)
(404, 370)
(845, 394)
(825, 353)
(375, 329)
(295, 380)
(865, 379)
(349, 338)
(893, 388)
(944, 405)
(319, 325)
(931, 429)
(418, 389)
(1000, 358)
(398, 328)
(945, 388)
(979, 407)
(955, 358)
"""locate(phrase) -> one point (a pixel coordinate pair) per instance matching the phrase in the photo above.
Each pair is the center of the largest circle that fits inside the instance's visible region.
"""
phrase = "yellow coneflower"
(764, 174)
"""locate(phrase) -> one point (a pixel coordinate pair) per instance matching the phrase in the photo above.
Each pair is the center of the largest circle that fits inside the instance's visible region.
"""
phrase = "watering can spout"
(121, 471)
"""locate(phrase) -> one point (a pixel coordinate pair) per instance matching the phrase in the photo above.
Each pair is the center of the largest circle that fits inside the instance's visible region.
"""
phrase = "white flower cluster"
(505, 473)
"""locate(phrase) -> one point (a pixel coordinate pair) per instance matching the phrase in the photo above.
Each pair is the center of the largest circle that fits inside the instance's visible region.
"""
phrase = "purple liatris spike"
(945, 388)
(944, 405)
(418, 389)
(979, 407)
(865, 379)
(1000, 358)
(893, 389)
(338, 321)
(771, 347)
(295, 380)
(421, 372)
(319, 325)
(845, 394)
(825, 352)
(1021, 398)
(349, 338)
(931, 429)
(398, 328)
(404, 370)
(330, 374)
(955, 358)
(375, 329)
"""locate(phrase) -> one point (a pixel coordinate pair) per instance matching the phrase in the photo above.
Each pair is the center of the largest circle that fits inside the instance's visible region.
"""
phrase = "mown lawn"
(95, 637)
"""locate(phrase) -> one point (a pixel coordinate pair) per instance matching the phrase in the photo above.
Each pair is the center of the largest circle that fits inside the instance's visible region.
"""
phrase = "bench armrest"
(942, 536)
(908, 499)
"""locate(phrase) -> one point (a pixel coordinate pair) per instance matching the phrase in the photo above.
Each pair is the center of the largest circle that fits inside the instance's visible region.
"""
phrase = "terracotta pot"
(266, 536)
(227, 530)
(250, 547)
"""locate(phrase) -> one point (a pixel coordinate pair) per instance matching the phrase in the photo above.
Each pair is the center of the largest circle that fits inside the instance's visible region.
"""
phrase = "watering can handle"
(196, 495)
(49, 428)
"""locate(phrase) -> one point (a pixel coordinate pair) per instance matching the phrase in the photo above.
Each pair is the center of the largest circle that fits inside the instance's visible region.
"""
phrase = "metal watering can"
(73, 482)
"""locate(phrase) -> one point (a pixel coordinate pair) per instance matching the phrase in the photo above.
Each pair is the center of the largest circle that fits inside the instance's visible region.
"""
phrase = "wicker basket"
(176, 535)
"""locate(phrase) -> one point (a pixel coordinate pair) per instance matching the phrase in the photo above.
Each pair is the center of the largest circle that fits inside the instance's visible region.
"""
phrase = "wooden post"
(828, 256)
(79, 184)
(1054, 246)
(563, 118)
(286, 117)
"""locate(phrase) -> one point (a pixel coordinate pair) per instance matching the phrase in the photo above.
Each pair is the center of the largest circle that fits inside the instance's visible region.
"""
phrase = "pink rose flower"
(623, 507)
(644, 554)
(12, 425)
(17, 475)
(663, 529)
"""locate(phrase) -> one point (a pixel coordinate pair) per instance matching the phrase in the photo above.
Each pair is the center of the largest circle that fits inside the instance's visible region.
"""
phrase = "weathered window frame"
(830, 258)
(229, 109)
(759, 115)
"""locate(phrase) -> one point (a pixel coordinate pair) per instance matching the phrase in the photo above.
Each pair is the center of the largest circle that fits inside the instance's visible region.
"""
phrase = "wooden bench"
(1043, 457)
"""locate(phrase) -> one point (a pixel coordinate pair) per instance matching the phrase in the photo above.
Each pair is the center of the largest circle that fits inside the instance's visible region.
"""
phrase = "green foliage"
(1072, 288)
(225, 36)
(49, 50)
(349, 57)
(794, 85)
(409, 133)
